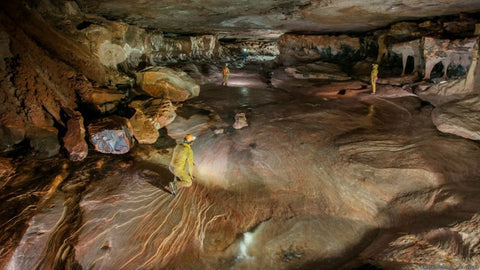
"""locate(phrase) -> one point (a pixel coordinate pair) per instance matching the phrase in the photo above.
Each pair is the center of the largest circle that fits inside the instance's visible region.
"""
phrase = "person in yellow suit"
(374, 77)
(225, 73)
(181, 164)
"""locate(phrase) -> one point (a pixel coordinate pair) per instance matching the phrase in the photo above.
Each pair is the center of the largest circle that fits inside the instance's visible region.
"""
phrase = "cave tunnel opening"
(83, 25)
(410, 65)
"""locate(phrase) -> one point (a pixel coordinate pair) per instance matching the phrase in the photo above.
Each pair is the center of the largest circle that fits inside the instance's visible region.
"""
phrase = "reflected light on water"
(245, 91)
(247, 240)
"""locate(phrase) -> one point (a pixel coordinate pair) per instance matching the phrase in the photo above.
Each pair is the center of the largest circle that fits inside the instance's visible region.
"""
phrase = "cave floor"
(315, 181)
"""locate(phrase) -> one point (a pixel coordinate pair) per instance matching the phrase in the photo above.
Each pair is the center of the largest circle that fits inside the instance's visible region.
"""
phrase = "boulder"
(11, 135)
(44, 141)
(163, 82)
(150, 116)
(160, 112)
(111, 135)
(74, 140)
(143, 128)
(240, 121)
(460, 118)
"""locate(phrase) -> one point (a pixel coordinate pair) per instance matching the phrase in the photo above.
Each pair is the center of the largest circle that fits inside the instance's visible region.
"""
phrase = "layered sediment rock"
(460, 118)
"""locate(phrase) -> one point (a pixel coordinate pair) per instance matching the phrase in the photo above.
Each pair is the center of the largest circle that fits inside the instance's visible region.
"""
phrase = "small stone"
(240, 121)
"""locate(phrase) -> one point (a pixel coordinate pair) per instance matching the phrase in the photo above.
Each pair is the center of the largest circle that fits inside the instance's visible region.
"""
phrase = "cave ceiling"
(269, 18)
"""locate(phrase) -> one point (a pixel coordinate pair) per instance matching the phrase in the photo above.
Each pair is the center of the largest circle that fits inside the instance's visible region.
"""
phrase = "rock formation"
(301, 48)
(411, 48)
(448, 52)
(111, 135)
(460, 118)
(150, 116)
(74, 140)
(162, 82)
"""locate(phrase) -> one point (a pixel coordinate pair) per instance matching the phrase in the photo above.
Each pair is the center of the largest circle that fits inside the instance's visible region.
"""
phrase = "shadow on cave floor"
(154, 174)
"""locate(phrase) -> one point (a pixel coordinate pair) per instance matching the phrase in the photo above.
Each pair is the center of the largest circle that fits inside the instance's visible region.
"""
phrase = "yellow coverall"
(182, 164)
(374, 77)
(225, 73)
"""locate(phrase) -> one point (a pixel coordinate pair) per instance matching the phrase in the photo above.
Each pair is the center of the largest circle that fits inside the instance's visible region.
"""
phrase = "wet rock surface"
(309, 181)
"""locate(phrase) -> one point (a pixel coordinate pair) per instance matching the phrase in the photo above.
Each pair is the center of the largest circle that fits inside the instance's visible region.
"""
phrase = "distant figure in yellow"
(374, 77)
(181, 164)
(225, 73)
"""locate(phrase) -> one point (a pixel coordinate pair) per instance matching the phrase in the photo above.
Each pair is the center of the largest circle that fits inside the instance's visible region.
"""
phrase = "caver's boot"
(173, 188)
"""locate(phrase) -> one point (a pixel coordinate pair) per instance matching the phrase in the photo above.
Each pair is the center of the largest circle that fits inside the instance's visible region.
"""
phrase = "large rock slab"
(111, 135)
(163, 82)
(74, 140)
(461, 118)
(143, 128)
(318, 71)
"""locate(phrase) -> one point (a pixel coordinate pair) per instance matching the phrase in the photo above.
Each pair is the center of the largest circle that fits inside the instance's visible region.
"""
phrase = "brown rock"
(460, 118)
(143, 128)
(162, 82)
(74, 140)
(6, 168)
(160, 112)
(111, 135)
(64, 48)
(100, 96)
(240, 121)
